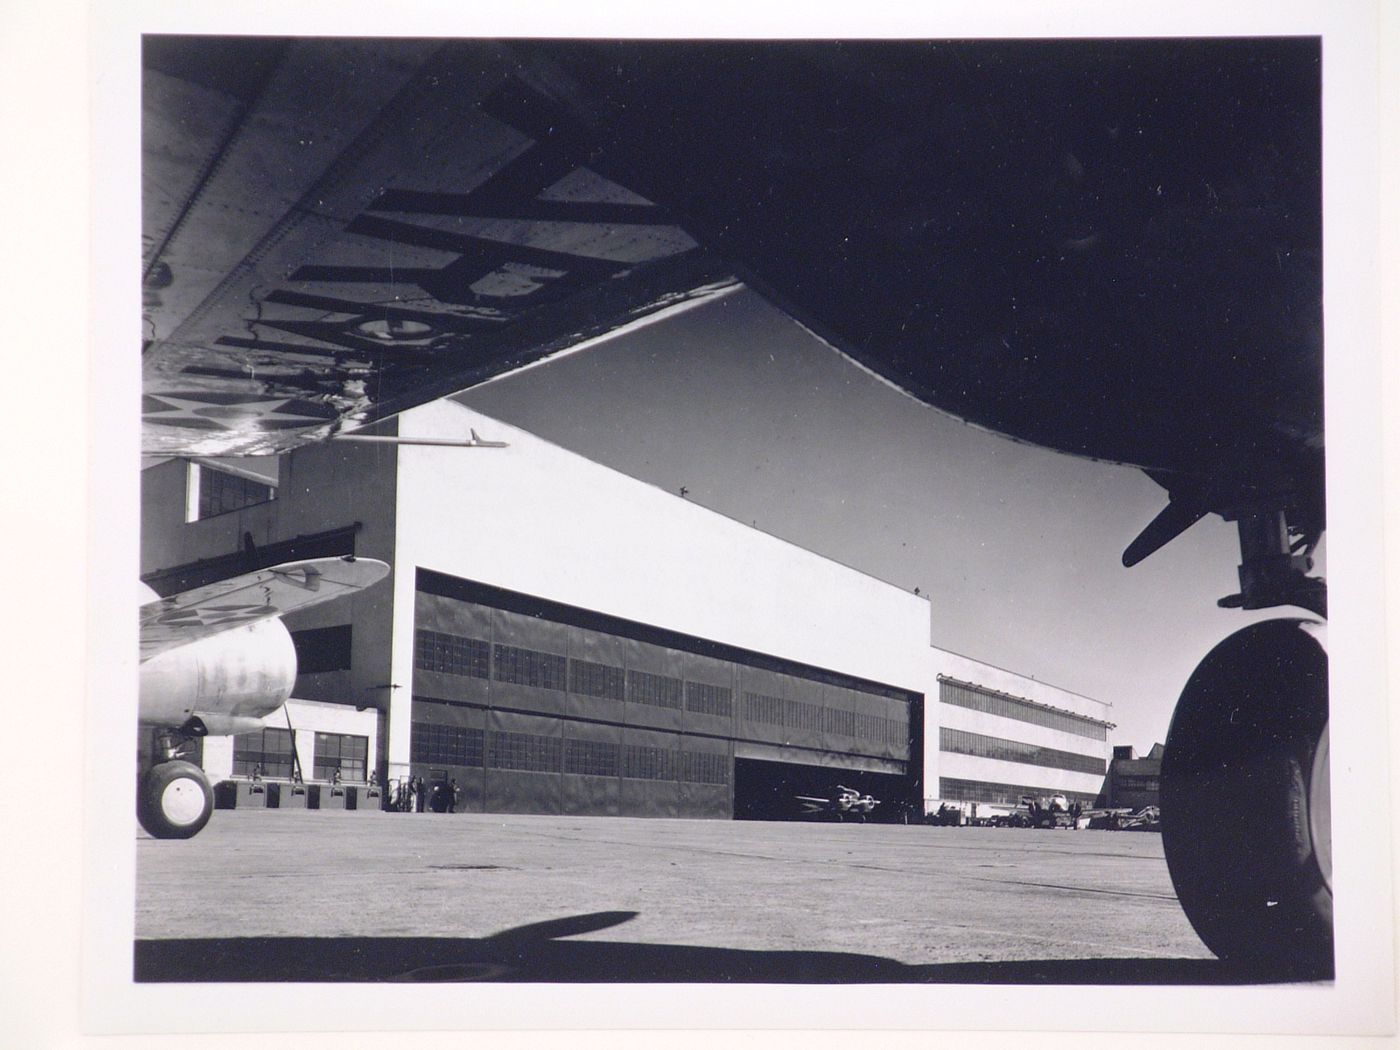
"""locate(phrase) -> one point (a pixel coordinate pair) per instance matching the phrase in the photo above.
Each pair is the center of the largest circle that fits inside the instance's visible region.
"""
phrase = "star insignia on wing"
(215, 411)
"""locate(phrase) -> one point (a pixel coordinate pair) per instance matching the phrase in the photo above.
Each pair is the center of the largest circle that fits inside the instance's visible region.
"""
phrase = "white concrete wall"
(538, 519)
(967, 767)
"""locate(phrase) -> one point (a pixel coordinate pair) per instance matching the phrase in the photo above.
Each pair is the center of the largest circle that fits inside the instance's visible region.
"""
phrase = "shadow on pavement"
(535, 953)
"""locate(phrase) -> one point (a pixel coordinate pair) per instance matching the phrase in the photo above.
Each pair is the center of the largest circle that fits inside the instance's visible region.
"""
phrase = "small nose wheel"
(174, 800)
(1246, 823)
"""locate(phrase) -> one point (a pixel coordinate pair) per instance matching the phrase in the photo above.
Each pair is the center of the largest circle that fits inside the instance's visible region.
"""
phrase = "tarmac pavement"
(331, 896)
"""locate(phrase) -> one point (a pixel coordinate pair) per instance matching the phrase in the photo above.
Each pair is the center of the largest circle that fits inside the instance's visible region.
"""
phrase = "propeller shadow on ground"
(541, 953)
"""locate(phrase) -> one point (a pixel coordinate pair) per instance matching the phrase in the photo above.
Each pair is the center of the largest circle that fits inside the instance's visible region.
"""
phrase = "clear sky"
(1017, 547)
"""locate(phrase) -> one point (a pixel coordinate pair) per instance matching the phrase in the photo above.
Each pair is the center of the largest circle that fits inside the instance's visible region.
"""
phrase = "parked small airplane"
(848, 801)
(218, 660)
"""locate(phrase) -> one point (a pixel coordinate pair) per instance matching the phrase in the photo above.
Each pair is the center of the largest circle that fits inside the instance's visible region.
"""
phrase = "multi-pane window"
(525, 752)
(800, 715)
(529, 667)
(640, 762)
(445, 745)
(451, 654)
(701, 767)
(796, 714)
(596, 758)
(601, 680)
(343, 752)
(960, 742)
(975, 698)
(705, 699)
(659, 690)
(221, 492)
(267, 750)
(766, 709)
(954, 790)
(841, 723)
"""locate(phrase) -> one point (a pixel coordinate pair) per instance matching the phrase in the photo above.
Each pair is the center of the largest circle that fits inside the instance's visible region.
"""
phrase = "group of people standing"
(412, 795)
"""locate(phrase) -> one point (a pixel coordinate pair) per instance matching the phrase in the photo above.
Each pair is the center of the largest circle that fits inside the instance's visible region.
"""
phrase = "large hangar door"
(766, 790)
(801, 737)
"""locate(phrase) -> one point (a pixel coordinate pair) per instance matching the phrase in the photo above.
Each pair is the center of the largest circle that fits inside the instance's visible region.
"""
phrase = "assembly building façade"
(557, 637)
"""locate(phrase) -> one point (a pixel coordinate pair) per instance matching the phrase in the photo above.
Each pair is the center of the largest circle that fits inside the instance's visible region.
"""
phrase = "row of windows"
(658, 690)
(459, 746)
(795, 714)
(269, 751)
(527, 752)
(705, 699)
(961, 742)
(451, 654)
(974, 698)
(530, 667)
(593, 758)
(471, 657)
(704, 767)
(954, 790)
(601, 680)
(641, 762)
(446, 745)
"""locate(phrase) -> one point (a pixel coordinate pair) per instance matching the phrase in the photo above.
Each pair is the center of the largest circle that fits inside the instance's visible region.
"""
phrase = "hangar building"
(557, 637)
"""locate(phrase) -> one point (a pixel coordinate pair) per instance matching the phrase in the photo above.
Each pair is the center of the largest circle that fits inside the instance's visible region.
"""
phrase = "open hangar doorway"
(769, 790)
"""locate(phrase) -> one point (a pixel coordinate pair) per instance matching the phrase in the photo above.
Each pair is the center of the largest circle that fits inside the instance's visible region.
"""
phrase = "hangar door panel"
(592, 781)
(524, 763)
(711, 687)
(597, 686)
(655, 686)
(706, 777)
(650, 762)
(808, 757)
(448, 741)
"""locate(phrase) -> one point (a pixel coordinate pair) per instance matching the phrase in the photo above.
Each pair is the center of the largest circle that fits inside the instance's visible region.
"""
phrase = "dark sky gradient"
(1018, 548)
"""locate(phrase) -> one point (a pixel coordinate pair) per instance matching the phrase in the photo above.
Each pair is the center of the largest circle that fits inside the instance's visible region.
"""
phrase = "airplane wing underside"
(339, 230)
(1111, 248)
(191, 615)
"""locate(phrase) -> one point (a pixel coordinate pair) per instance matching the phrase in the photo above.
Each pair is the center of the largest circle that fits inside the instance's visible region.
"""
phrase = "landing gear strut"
(173, 798)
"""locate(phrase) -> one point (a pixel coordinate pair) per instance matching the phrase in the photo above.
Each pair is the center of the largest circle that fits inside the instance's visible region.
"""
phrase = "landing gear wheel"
(1246, 824)
(174, 800)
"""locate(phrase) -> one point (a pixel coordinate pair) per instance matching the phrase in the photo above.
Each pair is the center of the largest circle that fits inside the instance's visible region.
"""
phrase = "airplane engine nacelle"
(228, 680)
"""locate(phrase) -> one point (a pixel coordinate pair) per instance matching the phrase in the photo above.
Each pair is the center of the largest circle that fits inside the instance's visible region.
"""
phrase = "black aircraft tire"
(174, 800)
(1245, 821)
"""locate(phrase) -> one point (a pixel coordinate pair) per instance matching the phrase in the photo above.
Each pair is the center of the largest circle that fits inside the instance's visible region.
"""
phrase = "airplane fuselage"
(228, 681)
